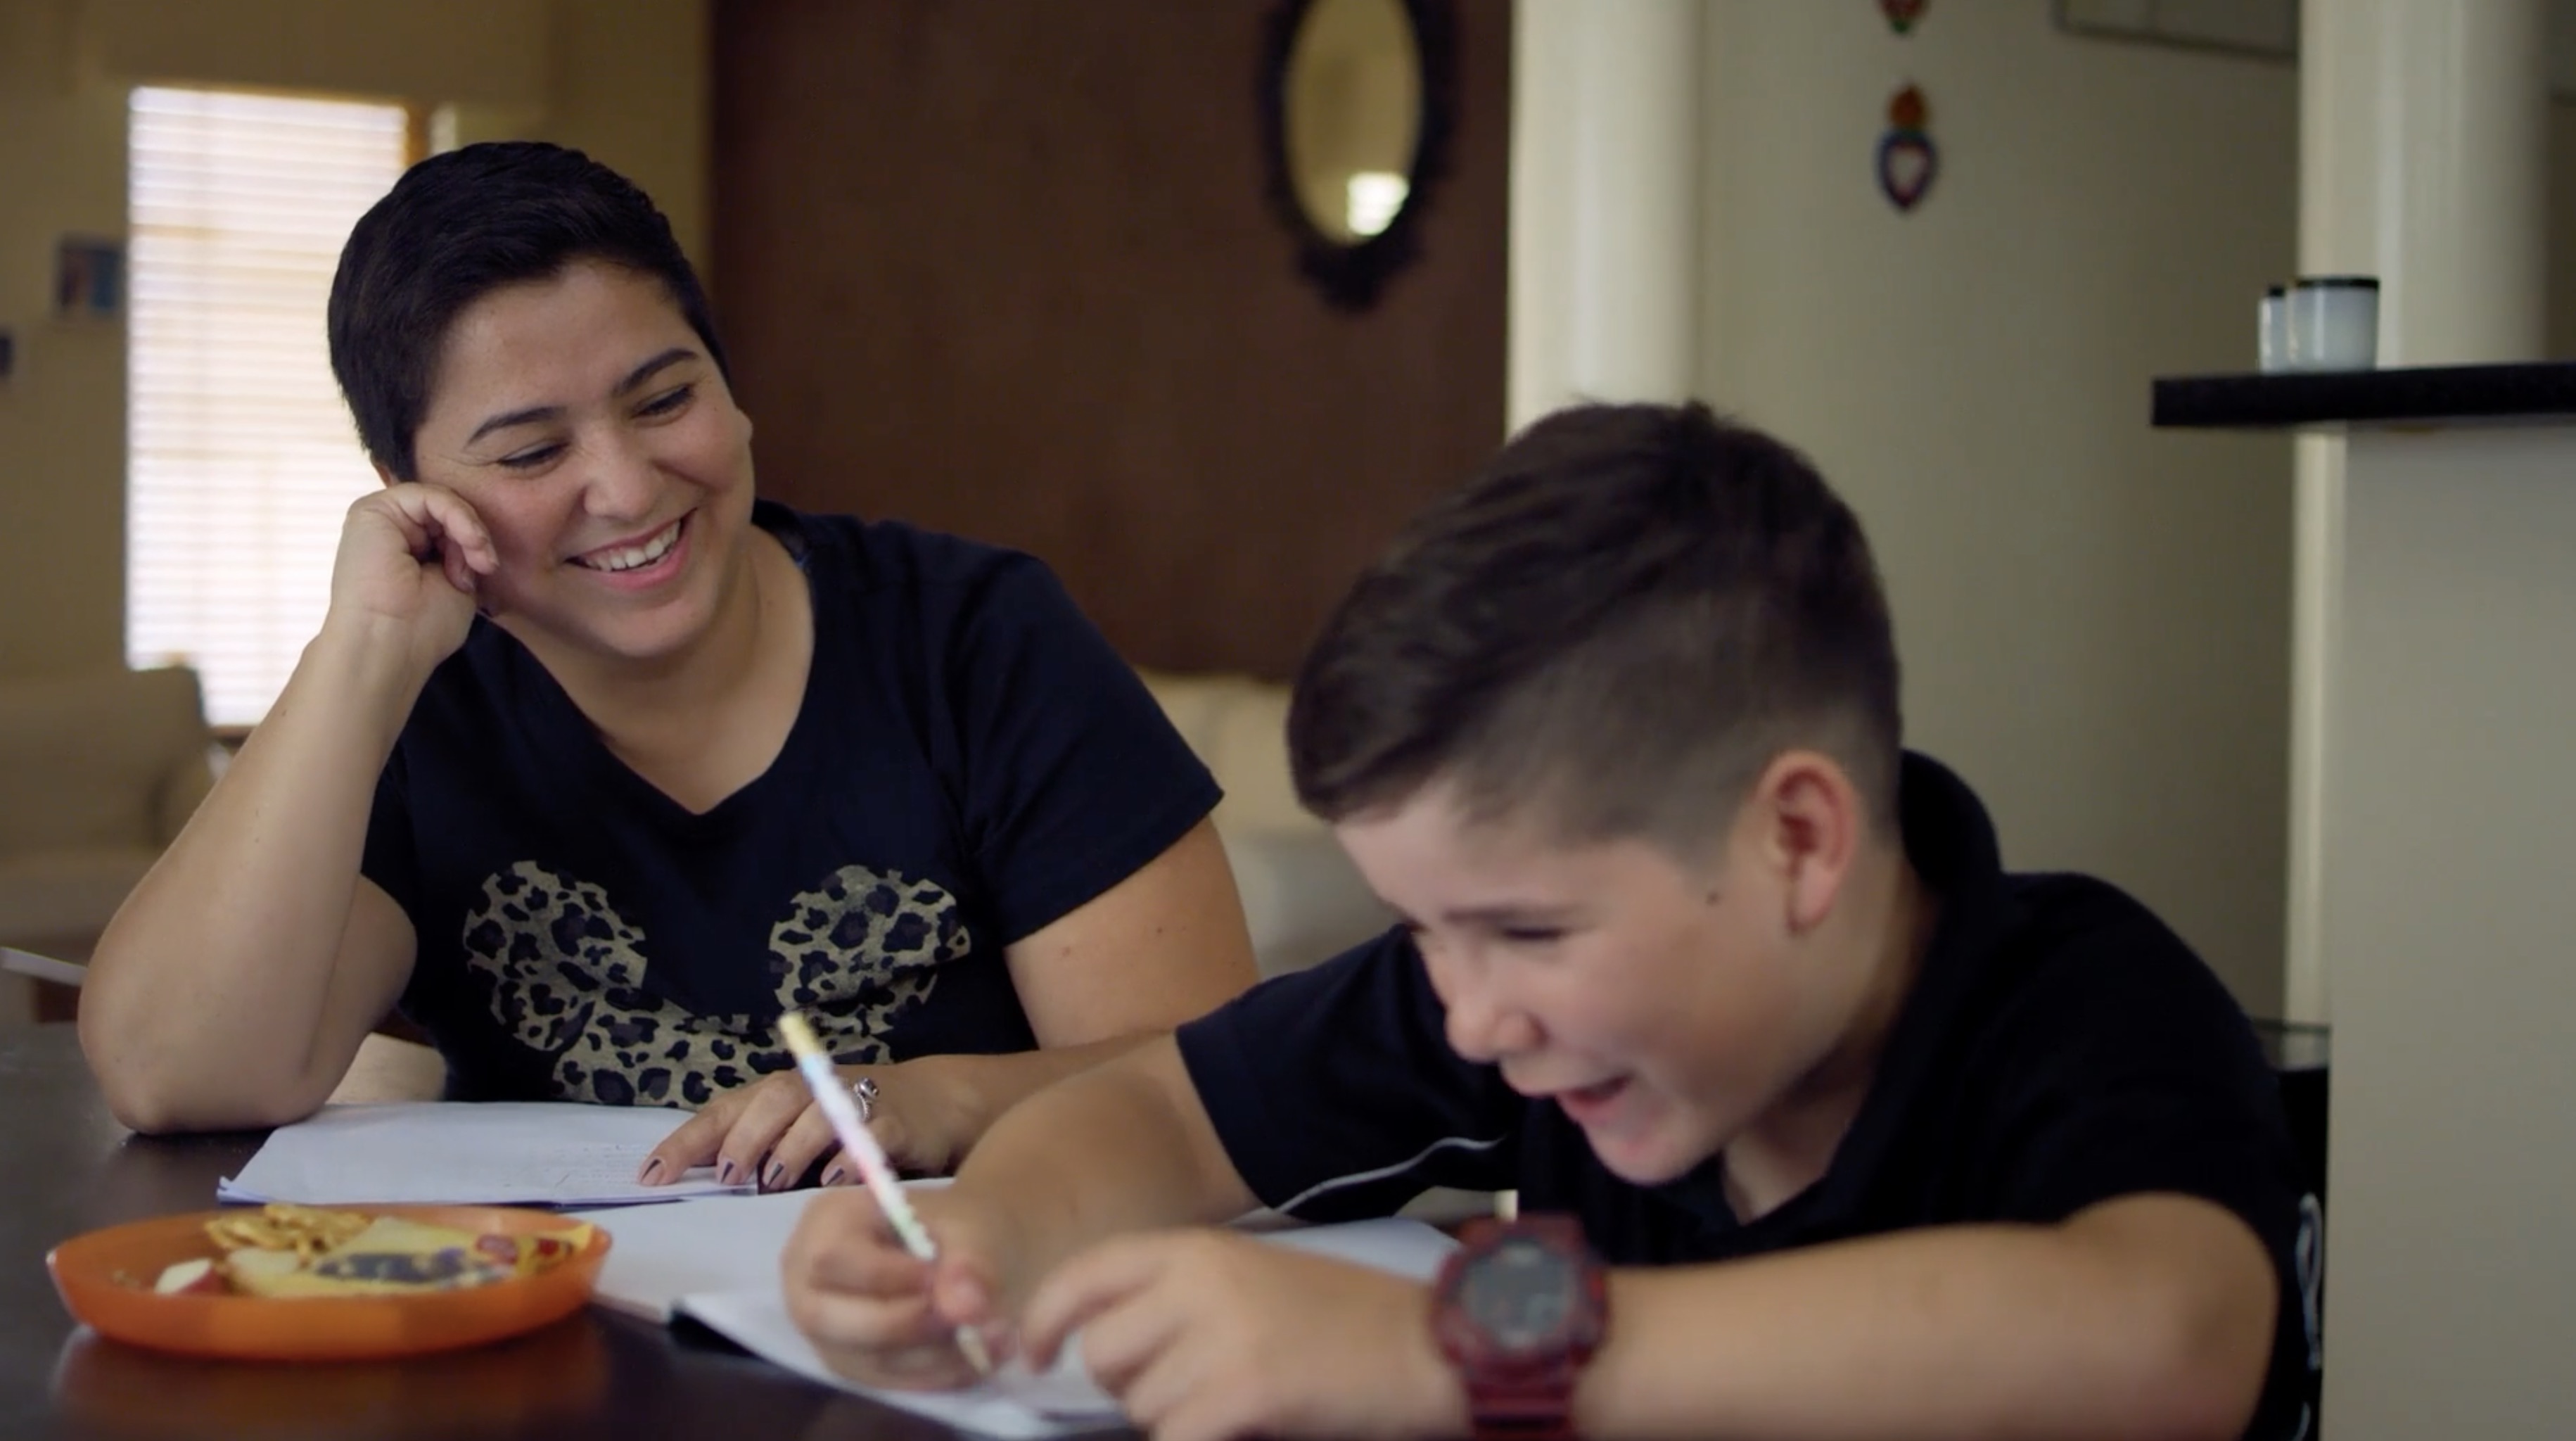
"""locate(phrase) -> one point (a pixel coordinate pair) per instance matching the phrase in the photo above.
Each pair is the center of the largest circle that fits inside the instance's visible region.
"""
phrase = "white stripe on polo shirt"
(1361, 1178)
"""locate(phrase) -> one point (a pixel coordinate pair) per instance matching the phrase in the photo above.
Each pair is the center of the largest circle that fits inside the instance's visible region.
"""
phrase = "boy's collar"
(1947, 835)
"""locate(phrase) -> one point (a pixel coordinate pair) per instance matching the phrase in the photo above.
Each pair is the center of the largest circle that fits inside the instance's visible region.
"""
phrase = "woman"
(597, 763)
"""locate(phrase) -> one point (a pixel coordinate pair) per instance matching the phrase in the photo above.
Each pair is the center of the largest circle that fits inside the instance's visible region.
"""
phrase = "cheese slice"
(394, 1256)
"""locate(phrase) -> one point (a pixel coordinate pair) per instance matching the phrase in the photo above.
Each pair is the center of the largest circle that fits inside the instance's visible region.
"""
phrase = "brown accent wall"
(1009, 270)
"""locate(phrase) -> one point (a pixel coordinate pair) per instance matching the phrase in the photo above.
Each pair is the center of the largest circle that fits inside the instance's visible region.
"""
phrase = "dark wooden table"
(72, 1169)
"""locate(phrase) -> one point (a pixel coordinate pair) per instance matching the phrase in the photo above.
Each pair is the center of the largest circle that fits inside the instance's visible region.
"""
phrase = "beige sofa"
(1303, 898)
(97, 773)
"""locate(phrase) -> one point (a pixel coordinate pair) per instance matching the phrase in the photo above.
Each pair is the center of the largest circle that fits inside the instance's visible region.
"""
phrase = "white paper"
(444, 1153)
(1399, 1247)
(659, 1254)
(43, 968)
(739, 1241)
(1012, 1403)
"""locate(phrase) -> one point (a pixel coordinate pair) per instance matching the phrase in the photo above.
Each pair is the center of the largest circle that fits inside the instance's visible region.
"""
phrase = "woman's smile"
(632, 565)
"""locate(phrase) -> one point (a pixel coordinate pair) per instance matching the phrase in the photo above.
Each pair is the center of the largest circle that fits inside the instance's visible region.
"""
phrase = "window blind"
(240, 455)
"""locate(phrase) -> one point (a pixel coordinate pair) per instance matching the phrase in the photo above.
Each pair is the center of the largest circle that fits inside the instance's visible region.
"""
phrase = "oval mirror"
(1357, 99)
(1354, 115)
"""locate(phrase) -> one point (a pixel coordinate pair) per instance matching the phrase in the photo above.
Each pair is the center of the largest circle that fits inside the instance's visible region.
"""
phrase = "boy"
(1865, 1136)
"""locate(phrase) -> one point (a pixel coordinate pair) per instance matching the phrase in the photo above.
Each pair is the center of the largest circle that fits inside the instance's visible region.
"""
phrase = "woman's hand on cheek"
(414, 557)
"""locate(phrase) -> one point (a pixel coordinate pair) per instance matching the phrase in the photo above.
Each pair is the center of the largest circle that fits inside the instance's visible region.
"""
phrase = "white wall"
(2093, 614)
(625, 80)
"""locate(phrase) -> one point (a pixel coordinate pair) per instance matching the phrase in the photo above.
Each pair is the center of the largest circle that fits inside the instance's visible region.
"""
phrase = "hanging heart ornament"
(1908, 161)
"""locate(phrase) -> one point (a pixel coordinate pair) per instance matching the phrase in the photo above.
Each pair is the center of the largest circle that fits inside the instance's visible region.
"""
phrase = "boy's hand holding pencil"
(882, 1316)
(891, 1280)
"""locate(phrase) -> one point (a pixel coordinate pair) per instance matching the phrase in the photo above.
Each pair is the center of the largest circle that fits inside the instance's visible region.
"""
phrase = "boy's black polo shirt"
(2061, 1047)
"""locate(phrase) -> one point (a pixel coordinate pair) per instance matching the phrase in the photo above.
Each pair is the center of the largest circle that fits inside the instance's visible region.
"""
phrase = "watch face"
(1521, 1295)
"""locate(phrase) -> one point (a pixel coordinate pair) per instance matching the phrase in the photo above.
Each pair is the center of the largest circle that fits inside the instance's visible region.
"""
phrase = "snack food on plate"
(283, 1250)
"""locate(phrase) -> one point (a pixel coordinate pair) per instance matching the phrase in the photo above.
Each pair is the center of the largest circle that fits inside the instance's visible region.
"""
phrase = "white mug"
(2272, 330)
(2334, 323)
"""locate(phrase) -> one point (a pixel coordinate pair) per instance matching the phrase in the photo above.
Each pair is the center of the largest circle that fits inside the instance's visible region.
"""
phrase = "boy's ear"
(1809, 816)
(383, 474)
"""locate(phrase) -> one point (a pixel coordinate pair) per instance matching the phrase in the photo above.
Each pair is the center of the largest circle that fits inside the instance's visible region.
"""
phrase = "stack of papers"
(438, 1153)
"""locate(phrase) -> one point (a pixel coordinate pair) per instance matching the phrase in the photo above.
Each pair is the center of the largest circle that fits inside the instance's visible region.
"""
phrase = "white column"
(2422, 161)
(2450, 1289)
(2316, 463)
(1604, 244)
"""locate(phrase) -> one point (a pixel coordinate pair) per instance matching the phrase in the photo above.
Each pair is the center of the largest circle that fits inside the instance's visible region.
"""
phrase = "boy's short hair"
(1615, 627)
(457, 226)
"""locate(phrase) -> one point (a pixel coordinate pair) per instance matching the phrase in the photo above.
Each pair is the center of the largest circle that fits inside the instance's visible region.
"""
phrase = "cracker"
(308, 1231)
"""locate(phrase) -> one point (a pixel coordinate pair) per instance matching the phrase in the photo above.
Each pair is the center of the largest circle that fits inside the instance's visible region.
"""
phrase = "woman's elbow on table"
(151, 1098)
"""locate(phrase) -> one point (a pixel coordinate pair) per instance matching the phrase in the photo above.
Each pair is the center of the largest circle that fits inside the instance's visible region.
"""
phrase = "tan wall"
(2094, 615)
(630, 84)
(62, 436)
(623, 79)
(492, 51)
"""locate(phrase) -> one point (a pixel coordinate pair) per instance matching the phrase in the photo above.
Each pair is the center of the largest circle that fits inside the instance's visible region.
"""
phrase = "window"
(240, 455)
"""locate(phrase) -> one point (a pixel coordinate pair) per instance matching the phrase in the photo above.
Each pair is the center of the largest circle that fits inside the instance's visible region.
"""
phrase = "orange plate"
(106, 1277)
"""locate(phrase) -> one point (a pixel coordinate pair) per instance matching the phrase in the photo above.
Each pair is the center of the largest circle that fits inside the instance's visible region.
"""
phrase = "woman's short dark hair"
(1615, 628)
(462, 224)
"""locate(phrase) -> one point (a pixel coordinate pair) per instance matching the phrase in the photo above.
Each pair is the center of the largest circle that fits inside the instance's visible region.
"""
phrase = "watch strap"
(1525, 1401)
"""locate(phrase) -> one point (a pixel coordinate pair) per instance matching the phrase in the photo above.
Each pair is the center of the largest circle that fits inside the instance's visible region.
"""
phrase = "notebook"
(452, 1153)
(715, 1261)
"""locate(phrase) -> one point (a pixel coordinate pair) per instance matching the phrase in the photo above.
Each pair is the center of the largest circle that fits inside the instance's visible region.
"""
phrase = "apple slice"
(190, 1278)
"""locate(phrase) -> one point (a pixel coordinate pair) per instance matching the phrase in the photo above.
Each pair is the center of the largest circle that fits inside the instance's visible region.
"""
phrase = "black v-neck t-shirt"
(2060, 1047)
(970, 761)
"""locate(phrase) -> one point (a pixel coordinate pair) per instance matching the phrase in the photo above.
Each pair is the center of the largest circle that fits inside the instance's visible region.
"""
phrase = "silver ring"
(864, 1091)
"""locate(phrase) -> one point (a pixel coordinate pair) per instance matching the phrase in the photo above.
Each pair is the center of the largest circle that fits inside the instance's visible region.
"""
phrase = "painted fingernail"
(724, 1173)
(833, 1176)
(775, 1178)
(652, 1169)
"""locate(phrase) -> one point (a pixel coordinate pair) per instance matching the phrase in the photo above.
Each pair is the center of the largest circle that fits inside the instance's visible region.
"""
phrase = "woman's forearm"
(209, 990)
(973, 1091)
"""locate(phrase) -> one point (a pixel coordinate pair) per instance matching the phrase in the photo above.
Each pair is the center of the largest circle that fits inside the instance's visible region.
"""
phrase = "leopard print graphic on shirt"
(567, 977)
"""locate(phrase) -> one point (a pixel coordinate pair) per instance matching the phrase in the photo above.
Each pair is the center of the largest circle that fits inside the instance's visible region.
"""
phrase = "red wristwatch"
(1519, 1308)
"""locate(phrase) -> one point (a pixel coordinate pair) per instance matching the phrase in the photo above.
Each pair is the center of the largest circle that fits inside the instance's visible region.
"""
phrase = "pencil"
(860, 1145)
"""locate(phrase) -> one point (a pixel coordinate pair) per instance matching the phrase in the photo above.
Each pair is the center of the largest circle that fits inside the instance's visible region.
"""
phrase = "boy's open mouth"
(1582, 1102)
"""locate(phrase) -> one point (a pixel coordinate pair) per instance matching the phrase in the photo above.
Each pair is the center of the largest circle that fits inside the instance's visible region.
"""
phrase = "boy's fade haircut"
(458, 226)
(1614, 629)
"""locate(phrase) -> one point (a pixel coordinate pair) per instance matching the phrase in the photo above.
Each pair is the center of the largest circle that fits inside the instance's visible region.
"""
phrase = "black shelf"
(2541, 391)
